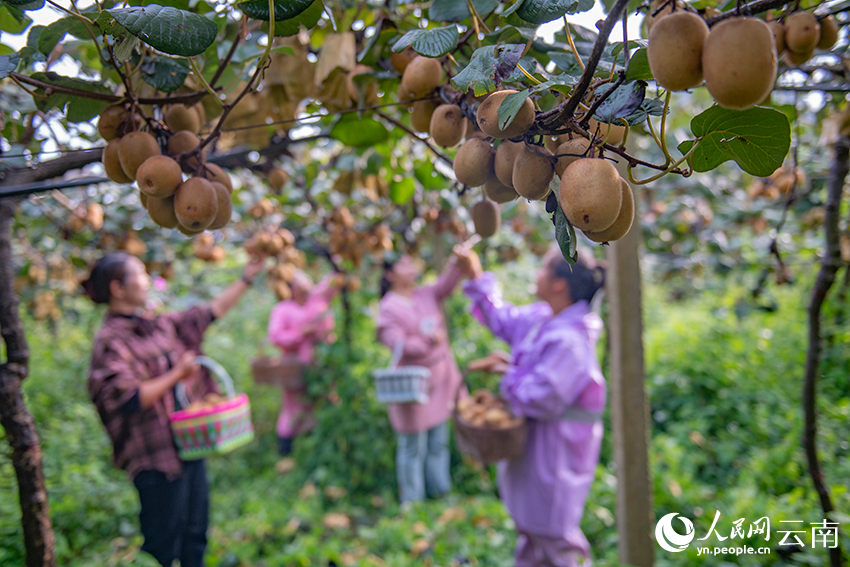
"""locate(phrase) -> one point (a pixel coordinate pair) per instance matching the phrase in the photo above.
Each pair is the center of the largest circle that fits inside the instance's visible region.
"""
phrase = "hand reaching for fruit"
(468, 261)
(496, 362)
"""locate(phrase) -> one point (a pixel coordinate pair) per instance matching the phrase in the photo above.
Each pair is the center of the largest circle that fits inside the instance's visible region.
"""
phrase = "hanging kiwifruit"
(498, 191)
(448, 125)
(503, 165)
(161, 211)
(369, 89)
(159, 176)
(624, 219)
(533, 171)
(486, 217)
(778, 36)
(421, 76)
(591, 194)
(602, 129)
(577, 148)
(112, 164)
(224, 209)
(473, 163)
(181, 117)
(488, 116)
(421, 114)
(134, 149)
(111, 122)
(183, 142)
(195, 203)
(802, 32)
(402, 59)
(277, 177)
(675, 50)
(216, 173)
(828, 32)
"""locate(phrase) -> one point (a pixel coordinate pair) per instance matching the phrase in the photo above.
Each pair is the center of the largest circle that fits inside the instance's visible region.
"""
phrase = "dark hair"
(111, 267)
(585, 277)
(386, 284)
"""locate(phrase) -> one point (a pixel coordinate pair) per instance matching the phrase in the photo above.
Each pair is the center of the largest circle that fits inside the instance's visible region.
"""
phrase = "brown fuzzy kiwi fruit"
(802, 32)
(181, 117)
(111, 123)
(421, 76)
(448, 125)
(486, 217)
(195, 203)
(421, 115)
(112, 164)
(473, 163)
(503, 165)
(143, 199)
(189, 231)
(159, 176)
(400, 60)
(797, 59)
(370, 89)
(552, 142)
(578, 147)
(828, 32)
(650, 20)
(488, 116)
(217, 174)
(183, 142)
(739, 62)
(498, 191)
(225, 207)
(591, 194)
(404, 95)
(533, 173)
(161, 211)
(134, 149)
(601, 130)
(277, 177)
(622, 223)
(778, 36)
(675, 50)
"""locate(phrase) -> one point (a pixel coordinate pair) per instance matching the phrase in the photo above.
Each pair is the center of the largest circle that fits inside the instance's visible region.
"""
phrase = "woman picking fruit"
(554, 381)
(413, 316)
(295, 325)
(137, 360)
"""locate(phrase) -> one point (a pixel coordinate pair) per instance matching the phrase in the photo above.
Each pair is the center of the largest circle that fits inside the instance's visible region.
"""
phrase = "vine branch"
(411, 133)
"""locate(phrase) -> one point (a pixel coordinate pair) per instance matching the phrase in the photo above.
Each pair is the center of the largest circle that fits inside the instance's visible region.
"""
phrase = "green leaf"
(5, 49)
(649, 107)
(565, 235)
(402, 191)
(308, 18)
(80, 109)
(430, 43)
(541, 11)
(24, 4)
(359, 133)
(561, 83)
(489, 66)
(165, 74)
(172, 31)
(54, 33)
(285, 49)
(283, 9)
(510, 107)
(625, 100)
(12, 20)
(757, 139)
(638, 69)
(456, 10)
(8, 63)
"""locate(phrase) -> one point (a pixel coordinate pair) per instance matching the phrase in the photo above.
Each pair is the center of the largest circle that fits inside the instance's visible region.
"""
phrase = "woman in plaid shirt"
(136, 363)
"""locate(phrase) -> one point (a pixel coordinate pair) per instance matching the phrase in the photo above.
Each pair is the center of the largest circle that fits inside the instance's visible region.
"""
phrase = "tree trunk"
(14, 416)
(826, 276)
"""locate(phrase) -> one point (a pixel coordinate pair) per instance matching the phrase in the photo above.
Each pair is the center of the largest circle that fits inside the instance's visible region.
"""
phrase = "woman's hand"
(186, 365)
(468, 261)
(254, 267)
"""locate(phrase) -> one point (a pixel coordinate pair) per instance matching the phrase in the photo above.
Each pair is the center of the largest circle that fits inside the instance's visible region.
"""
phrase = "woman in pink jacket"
(413, 315)
(296, 325)
(553, 379)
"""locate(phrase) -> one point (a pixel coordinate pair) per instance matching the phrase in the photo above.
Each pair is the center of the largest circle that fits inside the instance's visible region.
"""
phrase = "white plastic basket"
(402, 384)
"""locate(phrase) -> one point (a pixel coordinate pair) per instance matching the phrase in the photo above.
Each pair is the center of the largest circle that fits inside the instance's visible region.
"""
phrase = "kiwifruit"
(421, 115)
(486, 217)
(278, 177)
(111, 122)
(161, 211)
(202, 113)
(404, 95)
(400, 60)
(421, 76)
(675, 50)
(448, 126)
(503, 165)
(370, 90)
(112, 164)
(577, 147)
(802, 32)
(828, 32)
(488, 116)
(498, 191)
(739, 62)
(217, 174)
(195, 203)
(225, 207)
(181, 117)
(650, 20)
(797, 59)
(778, 35)
(533, 173)
(189, 231)
(552, 142)
(591, 194)
(623, 222)
(134, 149)
(474, 162)
(183, 142)
(601, 129)
(159, 176)
(143, 199)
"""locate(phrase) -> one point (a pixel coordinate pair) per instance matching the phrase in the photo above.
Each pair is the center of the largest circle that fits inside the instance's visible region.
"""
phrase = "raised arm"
(231, 296)
(448, 280)
(505, 320)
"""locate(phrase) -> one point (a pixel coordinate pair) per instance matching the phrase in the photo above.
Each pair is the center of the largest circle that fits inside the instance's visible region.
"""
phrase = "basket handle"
(398, 350)
(217, 370)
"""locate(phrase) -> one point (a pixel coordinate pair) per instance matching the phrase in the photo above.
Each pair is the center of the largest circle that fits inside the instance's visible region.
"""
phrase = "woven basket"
(487, 444)
(285, 371)
(402, 384)
(215, 429)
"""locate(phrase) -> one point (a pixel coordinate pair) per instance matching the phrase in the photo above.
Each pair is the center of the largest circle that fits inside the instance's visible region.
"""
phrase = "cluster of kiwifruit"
(280, 276)
(201, 202)
(44, 306)
(261, 208)
(483, 408)
(210, 400)
(779, 183)
(800, 33)
(348, 243)
(205, 248)
(280, 244)
(444, 221)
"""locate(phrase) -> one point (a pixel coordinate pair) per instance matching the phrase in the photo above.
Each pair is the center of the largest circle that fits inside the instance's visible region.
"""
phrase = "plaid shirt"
(127, 351)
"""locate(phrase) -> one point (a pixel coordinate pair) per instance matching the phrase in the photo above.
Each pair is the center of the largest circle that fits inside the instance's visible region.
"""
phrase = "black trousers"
(175, 514)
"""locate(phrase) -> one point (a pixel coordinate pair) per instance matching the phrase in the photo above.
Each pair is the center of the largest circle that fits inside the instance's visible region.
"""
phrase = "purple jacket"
(554, 367)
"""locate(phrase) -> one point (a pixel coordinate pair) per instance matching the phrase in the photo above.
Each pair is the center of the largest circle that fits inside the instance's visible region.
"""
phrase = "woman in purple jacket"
(554, 380)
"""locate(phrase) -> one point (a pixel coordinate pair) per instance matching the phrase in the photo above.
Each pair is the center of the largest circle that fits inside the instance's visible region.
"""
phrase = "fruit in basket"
(209, 400)
(484, 409)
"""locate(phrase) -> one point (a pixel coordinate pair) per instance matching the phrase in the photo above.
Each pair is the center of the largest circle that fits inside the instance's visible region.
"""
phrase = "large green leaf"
(456, 10)
(165, 74)
(8, 63)
(489, 66)
(510, 107)
(25, 4)
(80, 109)
(172, 31)
(12, 20)
(402, 191)
(283, 9)
(757, 139)
(54, 33)
(565, 235)
(625, 100)
(638, 69)
(359, 133)
(308, 18)
(541, 11)
(430, 43)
